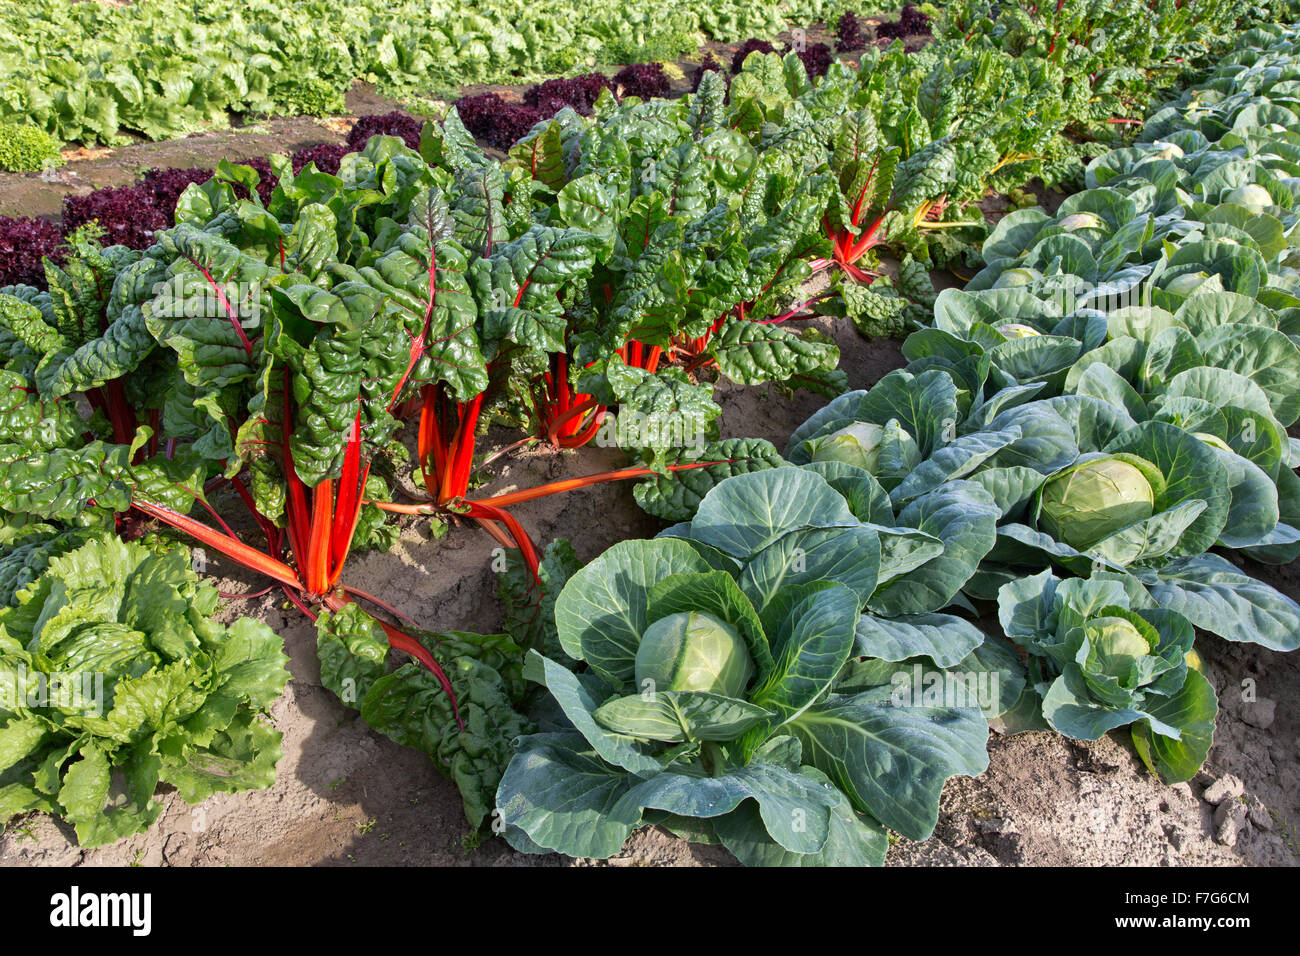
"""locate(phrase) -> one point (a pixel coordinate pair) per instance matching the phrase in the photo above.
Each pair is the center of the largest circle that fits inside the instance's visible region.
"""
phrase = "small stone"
(1260, 713)
(1229, 821)
(1177, 839)
(1225, 788)
(1258, 813)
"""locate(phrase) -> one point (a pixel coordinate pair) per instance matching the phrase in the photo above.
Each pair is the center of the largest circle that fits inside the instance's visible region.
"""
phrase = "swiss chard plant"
(703, 242)
(467, 733)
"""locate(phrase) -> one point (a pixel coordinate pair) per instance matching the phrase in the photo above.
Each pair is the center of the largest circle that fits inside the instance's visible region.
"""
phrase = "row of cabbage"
(757, 676)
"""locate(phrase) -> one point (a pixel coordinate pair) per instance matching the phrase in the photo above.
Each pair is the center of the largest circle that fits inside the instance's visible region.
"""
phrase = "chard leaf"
(752, 353)
(677, 496)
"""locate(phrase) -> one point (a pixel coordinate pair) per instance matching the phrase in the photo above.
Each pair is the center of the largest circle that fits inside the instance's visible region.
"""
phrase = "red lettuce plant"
(816, 59)
(127, 214)
(166, 186)
(326, 156)
(745, 49)
(24, 243)
(402, 125)
(643, 80)
(911, 22)
(578, 92)
(494, 121)
(848, 33)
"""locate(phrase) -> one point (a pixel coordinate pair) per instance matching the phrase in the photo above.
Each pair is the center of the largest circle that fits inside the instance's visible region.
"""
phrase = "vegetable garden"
(1078, 477)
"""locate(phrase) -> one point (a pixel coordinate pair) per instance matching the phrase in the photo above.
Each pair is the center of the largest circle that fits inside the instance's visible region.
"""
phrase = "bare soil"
(345, 795)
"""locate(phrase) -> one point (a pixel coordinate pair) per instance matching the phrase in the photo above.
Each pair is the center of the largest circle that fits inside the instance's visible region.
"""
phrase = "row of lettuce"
(759, 676)
(260, 362)
(165, 68)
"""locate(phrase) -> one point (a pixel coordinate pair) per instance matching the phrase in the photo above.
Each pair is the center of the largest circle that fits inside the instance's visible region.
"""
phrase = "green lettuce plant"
(113, 673)
(26, 149)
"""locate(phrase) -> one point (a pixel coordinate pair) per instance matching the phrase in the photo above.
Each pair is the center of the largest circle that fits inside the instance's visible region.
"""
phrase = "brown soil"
(345, 795)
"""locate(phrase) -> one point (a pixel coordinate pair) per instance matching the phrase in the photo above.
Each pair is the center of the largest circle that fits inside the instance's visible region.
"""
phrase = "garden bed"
(345, 794)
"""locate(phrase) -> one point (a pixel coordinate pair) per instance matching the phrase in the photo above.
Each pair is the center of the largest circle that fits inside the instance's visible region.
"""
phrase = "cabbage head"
(1019, 276)
(692, 650)
(857, 444)
(1115, 646)
(1255, 198)
(1092, 500)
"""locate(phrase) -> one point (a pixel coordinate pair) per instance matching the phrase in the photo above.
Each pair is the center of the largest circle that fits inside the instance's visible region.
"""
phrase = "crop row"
(267, 351)
(164, 68)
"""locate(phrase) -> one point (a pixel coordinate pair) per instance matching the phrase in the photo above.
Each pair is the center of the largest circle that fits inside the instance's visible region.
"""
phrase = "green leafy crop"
(742, 678)
(25, 149)
(1103, 655)
(87, 72)
(407, 704)
(113, 675)
(311, 97)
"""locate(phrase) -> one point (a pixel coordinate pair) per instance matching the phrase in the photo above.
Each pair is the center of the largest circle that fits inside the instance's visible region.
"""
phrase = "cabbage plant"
(1159, 500)
(723, 681)
(1102, 655)
(1085, 484)
(1094, 499)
